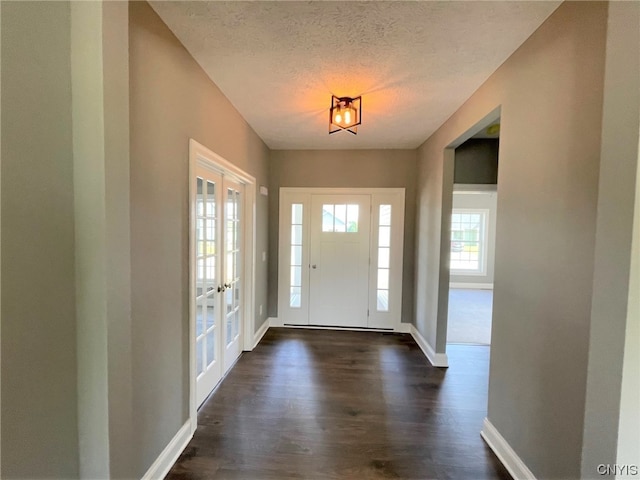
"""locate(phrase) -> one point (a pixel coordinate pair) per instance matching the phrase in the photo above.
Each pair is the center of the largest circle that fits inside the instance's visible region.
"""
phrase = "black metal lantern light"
(345, 114)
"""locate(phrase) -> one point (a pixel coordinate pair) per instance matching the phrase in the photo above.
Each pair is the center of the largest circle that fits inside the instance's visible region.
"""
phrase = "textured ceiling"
(414, 63)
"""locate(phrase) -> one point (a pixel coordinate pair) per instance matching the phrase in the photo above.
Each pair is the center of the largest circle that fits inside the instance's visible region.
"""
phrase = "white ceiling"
(414, 63)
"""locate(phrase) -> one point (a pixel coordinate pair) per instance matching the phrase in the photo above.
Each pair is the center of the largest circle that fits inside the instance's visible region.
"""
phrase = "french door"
(218, 295)
(232, 271)
(340, 257)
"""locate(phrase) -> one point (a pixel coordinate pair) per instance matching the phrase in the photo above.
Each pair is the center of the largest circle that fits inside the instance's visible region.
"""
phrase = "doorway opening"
(473, 232)
(221, 269)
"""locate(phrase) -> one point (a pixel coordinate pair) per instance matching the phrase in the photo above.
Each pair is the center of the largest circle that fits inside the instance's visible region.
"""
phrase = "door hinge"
(367, 312)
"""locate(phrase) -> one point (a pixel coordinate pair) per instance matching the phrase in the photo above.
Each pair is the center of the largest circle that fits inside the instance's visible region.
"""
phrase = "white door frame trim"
(202, 156)
(400, 192)
(343, 191)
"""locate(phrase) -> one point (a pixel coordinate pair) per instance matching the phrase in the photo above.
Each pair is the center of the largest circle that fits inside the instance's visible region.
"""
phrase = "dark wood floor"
(320, 404)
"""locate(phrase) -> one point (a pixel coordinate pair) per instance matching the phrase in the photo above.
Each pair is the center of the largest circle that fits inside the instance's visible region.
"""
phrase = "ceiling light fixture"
(345, 114)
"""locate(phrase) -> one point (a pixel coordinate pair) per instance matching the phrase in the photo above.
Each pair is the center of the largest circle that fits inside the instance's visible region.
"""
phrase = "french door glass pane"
(199, 318)
(199, 362)
(229, 329)
(211, 317)
(228, 296)
(211, 199)
(199, 197)
(237, 215)
(211, 346)
(236, 324)
(200, 237)
(237, 266)
(200, 277)
(229, 268)
(210, 268)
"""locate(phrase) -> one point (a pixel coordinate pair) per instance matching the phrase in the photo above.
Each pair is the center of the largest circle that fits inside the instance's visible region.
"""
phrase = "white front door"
(217, 283)
(340, 257)
(339, 260)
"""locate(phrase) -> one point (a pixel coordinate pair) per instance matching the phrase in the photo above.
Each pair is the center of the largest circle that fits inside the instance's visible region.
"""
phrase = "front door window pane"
(340, 218)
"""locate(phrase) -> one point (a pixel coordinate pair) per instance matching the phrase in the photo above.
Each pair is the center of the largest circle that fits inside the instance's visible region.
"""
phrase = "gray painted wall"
(171, 101)
(90, 251)
(100, 100)
(39, 404)
(551, 112)
(628, 434)
(344, 168)
(612, 298)
(477, 162)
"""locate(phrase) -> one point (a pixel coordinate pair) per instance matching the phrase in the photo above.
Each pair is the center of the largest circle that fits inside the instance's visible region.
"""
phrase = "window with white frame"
(468, 241)
(295, 283)
(340, 218)
(384, 255)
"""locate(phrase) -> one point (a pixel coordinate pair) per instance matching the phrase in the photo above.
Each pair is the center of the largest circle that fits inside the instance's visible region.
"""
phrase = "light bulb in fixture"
(338, 118)
(347, 117)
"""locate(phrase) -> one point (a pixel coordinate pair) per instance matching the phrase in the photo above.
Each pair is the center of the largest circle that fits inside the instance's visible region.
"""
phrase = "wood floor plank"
(321, 404)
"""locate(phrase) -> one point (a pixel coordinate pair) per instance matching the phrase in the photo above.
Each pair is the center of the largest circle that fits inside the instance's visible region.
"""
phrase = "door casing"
(202, 156)
(299, 316)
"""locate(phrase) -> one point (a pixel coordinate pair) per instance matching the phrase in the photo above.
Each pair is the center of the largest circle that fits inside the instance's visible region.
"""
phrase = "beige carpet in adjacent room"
(469, 316)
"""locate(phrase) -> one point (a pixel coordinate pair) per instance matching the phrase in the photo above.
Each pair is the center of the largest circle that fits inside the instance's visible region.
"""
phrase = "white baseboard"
(274, 322)
(170, 454)
(335, 328)
(260, 333)
(436, 359)
(477, 286)
(509, 458)
(404, 328)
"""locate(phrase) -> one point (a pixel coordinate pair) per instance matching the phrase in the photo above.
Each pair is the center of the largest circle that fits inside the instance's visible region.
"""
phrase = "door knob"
(220, 288)
(314, 266)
